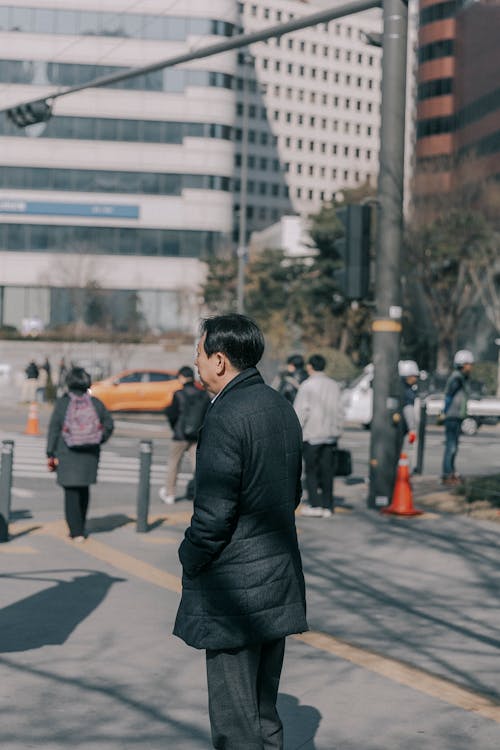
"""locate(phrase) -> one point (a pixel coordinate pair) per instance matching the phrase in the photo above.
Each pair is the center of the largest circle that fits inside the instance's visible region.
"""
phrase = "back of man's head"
(296, 360)
(317, 362)
(186, 372)
(236, 336)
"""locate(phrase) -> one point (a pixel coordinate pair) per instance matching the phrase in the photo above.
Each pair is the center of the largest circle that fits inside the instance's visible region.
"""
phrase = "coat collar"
(245, 375)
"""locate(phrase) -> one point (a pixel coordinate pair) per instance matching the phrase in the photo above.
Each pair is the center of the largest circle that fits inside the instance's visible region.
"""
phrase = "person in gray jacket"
(76, 467)
(320, 414)
(242, 585)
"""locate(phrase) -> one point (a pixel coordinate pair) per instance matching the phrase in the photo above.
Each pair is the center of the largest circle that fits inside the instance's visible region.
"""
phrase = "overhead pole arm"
(240, 40)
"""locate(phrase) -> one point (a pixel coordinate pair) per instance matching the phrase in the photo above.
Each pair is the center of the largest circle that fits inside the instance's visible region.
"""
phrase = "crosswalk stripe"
(30, 463)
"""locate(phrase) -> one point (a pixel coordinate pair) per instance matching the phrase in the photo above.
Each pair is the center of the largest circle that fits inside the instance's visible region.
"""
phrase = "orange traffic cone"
(402, 497)
(33, 425)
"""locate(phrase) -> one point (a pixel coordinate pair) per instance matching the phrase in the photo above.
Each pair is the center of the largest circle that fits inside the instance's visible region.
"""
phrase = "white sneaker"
(327, 513)
(168, 499)
(308, 510)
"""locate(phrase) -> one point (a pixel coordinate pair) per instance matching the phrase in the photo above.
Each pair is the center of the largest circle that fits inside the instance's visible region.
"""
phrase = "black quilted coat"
(242, 574)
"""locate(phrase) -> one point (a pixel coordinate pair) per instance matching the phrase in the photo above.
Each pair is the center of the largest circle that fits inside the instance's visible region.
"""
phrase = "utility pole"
(242, 224)
(387, 326)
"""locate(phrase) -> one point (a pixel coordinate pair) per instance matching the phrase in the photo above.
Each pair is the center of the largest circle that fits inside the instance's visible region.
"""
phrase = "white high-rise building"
(313, 100)
(128, 187)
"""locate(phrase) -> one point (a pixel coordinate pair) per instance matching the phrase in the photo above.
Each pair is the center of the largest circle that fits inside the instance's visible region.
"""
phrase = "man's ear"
(220, 363)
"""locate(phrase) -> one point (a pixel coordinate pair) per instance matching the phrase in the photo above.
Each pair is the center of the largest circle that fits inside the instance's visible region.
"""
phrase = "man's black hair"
(297, 360)
(78, 380)
(236, 336)
(186, 372)
(317, 362)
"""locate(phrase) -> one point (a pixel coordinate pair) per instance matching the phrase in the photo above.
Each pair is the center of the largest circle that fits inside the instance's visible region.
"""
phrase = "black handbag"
(343, 462)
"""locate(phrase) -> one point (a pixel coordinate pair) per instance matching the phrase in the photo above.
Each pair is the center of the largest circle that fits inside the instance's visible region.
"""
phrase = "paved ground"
(403, 651)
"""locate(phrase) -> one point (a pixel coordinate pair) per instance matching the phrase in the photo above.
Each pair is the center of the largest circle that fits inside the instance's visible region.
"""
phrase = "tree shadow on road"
(49, 617)
(424, 594)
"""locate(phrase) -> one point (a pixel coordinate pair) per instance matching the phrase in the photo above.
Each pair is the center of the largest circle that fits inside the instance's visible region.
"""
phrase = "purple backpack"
(82, 426)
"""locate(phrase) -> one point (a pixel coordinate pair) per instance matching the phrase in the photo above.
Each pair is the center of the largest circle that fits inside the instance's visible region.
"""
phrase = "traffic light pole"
(387, 325)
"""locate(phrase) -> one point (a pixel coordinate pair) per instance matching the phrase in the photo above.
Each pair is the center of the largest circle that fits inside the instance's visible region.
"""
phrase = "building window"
(311, 170)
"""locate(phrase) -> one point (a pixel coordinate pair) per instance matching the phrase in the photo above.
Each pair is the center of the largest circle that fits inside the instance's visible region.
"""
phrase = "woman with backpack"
(79, 424)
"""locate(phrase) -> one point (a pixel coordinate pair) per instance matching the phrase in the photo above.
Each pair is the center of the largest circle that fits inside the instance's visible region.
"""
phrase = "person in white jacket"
(320, 414)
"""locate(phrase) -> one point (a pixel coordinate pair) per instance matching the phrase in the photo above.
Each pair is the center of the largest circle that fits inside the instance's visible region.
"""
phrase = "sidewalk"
(402, 654)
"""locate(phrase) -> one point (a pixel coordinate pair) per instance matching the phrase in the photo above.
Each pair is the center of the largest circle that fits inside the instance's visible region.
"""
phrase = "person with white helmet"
(409, 374)
(455, 410)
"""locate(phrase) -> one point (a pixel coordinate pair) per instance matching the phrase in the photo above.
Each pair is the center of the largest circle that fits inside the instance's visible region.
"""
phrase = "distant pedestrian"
(79, 425)
(320, 414)
(185, 415)
(287, 383)
(61, 378)
(456, 395)
(242, 587)
(41, 384)
(409, 374)
(31, 382)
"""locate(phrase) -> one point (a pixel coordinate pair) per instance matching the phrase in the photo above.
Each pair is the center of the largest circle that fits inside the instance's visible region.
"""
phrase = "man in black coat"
(243, 587)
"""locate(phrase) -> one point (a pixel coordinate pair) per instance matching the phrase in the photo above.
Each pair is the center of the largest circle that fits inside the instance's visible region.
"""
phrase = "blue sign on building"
(49, 208)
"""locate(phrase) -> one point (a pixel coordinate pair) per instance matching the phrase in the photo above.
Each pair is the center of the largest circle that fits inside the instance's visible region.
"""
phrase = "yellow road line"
(117, 559)
(17, 549)
(404, 674)
(392, 669)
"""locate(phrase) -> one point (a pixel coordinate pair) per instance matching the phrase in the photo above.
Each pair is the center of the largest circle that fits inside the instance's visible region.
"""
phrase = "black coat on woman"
(242, 573)
(76, 468)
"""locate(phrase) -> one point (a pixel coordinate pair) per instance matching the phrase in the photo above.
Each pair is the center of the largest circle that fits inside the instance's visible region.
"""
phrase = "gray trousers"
(242, 692)
(177, 449)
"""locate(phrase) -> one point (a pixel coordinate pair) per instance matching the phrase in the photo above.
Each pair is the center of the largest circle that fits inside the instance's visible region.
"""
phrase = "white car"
(357, 401)
(479, 411)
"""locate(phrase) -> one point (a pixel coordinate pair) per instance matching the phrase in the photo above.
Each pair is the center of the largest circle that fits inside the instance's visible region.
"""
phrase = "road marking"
(404, 674)
(392, 669)
(17, 549)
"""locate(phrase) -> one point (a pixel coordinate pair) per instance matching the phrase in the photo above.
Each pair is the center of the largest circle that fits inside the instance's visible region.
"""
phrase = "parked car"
(137, 390)
(357, 401)
(479, 411)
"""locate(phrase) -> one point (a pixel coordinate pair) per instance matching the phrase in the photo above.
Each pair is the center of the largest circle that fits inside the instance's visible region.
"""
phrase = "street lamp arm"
(241, 40)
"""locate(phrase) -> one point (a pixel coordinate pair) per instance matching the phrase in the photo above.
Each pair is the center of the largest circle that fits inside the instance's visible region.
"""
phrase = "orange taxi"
(137, 390)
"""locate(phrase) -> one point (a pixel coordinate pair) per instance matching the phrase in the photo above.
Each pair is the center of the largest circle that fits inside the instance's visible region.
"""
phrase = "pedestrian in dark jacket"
(243, 586)
(287, 383)
(456, 395)
(185, 415)
(76, 467)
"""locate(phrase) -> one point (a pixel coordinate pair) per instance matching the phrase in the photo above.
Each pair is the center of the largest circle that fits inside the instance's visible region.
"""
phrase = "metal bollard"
(5, 487)
(145, 456)
(419, 467)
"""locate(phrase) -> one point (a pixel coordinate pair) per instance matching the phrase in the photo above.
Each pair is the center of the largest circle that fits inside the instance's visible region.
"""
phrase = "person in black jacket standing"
(185, 415)
(243, 587)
